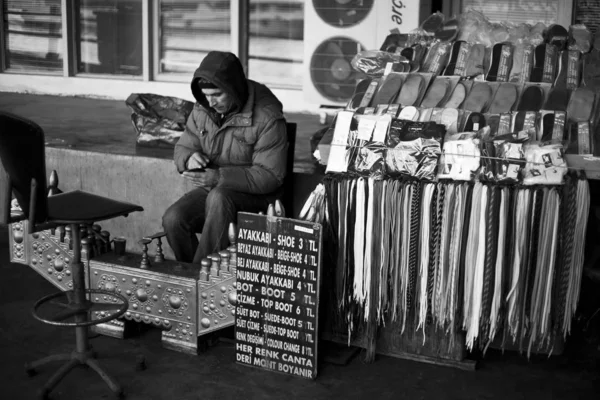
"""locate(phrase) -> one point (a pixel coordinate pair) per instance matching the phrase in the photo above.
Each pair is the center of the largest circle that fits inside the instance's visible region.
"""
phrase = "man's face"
(218, 99)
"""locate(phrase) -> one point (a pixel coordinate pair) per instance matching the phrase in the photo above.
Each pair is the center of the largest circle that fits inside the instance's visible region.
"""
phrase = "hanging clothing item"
(486, 258)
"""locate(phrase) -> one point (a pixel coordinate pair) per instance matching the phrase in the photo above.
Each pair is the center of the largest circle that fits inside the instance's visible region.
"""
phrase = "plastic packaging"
(506, 158)
(370, 160)
(545, 164)
(405, 130)
(518, 32)
(469, 23)
(499, 33)
(437, 58)
(433, 23)
(417, 158)
(373, 62)
(460, 159)
(158, 120)
(580, 38)
(511, 152)
(522, 61)
(394, 42)
(536, 34)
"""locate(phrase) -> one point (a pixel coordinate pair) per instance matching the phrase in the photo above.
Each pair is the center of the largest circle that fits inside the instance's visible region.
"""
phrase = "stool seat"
(83, 207)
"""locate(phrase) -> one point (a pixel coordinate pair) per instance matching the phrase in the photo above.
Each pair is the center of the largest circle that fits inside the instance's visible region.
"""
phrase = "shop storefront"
(300, 49)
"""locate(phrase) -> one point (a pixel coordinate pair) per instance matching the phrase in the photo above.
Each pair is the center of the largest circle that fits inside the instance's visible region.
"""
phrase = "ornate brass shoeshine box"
(173, 296)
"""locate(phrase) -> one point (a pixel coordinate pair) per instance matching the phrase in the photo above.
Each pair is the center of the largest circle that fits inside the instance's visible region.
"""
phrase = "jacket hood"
(225, 71)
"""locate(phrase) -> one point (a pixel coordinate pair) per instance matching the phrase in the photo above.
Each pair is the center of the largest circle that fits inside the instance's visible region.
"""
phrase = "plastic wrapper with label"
(503, 158)
(373, 63)
(545, 164)
(417, 158)
(404, 130)
(460, 157)
(437, 58)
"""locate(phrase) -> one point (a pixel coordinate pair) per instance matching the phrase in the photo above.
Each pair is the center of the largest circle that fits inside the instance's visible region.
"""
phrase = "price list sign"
(277, 282)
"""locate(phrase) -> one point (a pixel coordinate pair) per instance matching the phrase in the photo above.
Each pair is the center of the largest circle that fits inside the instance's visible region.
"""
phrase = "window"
(110, 37)
(33, 32)
(518, 11)
(188, 30)
(106, 37)
(276, 47)
(588, 13)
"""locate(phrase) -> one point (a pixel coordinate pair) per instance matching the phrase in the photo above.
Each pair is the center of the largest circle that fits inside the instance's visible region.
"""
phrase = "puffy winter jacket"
(248, 145)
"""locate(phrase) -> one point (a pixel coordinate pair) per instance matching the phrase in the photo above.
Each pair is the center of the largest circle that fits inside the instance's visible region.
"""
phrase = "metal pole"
(244, 32)
(81, 332)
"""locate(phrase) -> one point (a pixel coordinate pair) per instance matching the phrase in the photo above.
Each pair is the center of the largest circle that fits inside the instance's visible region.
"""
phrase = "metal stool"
(78, 307)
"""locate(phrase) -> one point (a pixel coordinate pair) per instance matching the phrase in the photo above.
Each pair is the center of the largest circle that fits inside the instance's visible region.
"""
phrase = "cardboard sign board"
(277, 282)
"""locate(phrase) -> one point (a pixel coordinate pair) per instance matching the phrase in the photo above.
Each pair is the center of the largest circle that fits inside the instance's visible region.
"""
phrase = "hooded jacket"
(249, 144)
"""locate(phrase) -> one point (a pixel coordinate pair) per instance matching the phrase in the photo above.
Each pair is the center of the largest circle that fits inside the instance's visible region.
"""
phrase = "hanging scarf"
(491, 241)
(477, 253)
(576, 267)
(499, 264)
(425, 255)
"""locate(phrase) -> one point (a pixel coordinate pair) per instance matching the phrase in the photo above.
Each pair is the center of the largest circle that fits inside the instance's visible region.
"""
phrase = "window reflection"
(517, 11)
(110, 37)
(33, 31)
(276, 41)
(189, 29)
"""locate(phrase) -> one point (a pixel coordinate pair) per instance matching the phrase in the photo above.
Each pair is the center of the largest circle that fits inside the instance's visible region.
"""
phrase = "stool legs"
(57, 377)
(83, 354)
(31, 367)
(109, 380)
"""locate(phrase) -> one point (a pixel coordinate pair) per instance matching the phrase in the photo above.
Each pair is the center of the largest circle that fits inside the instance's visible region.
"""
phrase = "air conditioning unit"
(335, 30)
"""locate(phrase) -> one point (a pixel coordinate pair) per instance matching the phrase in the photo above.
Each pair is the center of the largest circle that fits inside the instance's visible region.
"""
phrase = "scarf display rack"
(438, 269)
(454, 221)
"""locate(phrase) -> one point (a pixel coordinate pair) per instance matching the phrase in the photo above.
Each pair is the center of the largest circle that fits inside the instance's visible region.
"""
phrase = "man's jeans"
(208, 212)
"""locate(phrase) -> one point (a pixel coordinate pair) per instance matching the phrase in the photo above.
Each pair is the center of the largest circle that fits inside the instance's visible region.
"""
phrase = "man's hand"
(197, 160)
(207, 178)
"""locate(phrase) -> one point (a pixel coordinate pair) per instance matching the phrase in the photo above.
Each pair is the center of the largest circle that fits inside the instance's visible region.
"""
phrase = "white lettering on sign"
(277, 293)
(287, 241)
(281, 345)
(266, 353)
(292, 369)
(396, 14)
(260, 251)
(277, 281)
(245, 358)
(245, 299)
(276, 285)
(287, 270)
(254, 236)
(261, 362)
(289, 256)
(305, 362)
(248, 276)
(257, 265)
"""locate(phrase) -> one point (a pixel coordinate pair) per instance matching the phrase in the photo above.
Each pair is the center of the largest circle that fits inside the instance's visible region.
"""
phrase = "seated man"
(233, 151)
